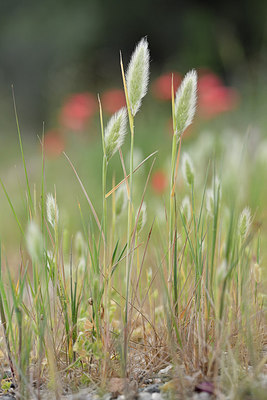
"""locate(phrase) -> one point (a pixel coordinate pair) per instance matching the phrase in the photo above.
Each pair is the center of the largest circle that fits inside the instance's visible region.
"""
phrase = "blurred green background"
(53, 50)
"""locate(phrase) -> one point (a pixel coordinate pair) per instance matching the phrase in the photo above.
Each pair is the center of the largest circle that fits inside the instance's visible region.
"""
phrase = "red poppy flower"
(159, 182)
(112, 100)
(208, 80)
(161, 87)
(213, 97)
(54, 144)
(77, 111)
(217, 100)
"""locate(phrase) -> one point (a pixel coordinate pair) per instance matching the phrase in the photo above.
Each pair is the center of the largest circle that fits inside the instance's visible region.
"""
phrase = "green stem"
(4, 324)
(130, 217)
(129, 230)
(104, 183)
(104, 189)
(104, 186)
(174, 151)
(171, 229)
(214, 236)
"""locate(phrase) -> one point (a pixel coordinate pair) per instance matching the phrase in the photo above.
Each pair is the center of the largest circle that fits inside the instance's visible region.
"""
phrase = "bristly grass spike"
(34, 241)
(244, 223)
(52, 210)
(186, 208)
(137, 75)
(185, 103)
(142, 218)
(115, 132)
(188, 169)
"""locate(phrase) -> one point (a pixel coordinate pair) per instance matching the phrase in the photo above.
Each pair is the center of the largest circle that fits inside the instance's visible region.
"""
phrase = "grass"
(125, 296)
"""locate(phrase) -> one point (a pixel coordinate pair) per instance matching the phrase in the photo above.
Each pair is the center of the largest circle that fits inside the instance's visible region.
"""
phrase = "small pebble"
(82, 395)
(165, 371)
(7, 397)
(148, 381)
(152, 388)
(201, 396)
(107, 397)
(156, 396)
(144, 396)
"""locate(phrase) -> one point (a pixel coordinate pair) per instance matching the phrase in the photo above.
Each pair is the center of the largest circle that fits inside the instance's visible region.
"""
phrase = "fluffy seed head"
(115, 132)
(186, 208)
(121, 200)
(244, 223)
(81, 265)
(51, 210)
(137, 75)
(142, 218)
(185, 103)
(210, 201)
(212, 194)
(222, 271)
(34, 241)
(80, 245)
(188, 169)
(217, 184)
(257, 272)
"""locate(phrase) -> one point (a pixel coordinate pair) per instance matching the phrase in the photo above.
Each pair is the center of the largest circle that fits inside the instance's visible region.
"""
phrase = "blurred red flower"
(208, 80)
(159, 182)
(217, 100)
(77, 111)
(54, 144)
(112, 100)
(161, 87)
(213, 97)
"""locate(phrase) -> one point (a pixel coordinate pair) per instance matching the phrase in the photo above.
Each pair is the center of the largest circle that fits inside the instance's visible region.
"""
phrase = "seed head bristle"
(121, 200)
(188, 169)
(80, 245)
(34, 241)
(52, 210)
(142, 218)
(244, 223)
(185, 103)
(115, 132)
(210, 201)
(137, 75)
(186, 208)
